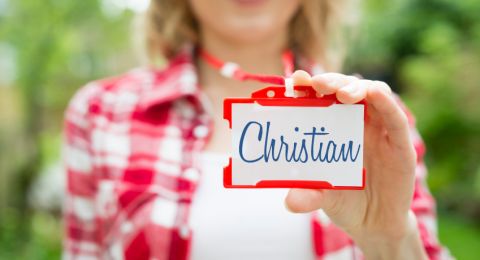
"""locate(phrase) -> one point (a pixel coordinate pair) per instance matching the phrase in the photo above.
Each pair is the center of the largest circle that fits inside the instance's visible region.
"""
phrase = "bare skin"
(378, 218)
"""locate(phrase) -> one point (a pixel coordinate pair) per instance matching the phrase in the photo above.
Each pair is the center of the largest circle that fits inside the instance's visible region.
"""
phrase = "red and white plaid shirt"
(128, 151)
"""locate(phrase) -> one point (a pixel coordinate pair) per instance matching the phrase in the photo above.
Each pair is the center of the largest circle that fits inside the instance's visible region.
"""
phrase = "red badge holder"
(275, 96)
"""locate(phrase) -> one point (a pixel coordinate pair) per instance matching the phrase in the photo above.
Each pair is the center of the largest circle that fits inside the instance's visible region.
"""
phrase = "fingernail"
(349, 88)
(287, 207)
(331, 82)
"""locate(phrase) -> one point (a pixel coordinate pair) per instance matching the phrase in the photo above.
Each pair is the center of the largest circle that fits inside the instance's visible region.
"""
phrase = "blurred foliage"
(461, 237)
(56, 47)
(428, 50)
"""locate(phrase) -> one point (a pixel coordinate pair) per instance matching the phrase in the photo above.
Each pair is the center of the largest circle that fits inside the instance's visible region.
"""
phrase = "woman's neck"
(263, 57)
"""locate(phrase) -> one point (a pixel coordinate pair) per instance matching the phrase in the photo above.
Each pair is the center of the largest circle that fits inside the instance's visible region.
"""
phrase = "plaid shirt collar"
(178, 80)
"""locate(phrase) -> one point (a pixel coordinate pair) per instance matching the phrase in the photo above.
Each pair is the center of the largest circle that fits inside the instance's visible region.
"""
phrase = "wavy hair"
(316, 30)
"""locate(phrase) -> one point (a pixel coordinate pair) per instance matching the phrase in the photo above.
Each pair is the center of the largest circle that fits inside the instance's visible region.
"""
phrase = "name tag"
(306, 142)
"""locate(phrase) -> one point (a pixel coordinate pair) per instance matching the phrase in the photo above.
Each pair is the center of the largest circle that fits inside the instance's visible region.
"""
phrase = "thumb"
(301, 78)
(304, 200)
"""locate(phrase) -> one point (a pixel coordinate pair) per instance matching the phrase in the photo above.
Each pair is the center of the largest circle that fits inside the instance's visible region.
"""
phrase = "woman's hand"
(378, 218)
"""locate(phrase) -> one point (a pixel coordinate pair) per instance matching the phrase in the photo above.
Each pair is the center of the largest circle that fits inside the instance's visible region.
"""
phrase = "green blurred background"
(428, 50)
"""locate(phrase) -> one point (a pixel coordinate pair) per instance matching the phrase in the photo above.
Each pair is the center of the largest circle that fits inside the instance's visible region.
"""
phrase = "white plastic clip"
(228, 69)
(289, 87)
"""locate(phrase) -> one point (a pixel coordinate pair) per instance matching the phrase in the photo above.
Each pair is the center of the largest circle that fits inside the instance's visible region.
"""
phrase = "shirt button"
(191, 174)
(184, 231)
(200, 131)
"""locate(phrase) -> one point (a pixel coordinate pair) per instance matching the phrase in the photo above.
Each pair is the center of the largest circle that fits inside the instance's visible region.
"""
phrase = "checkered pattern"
(128, 151)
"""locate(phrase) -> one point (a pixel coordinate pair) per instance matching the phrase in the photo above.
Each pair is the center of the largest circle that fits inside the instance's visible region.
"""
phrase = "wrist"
(402, 243)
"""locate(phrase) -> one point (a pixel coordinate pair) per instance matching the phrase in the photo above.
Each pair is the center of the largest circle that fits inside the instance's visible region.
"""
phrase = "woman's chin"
(245, 30)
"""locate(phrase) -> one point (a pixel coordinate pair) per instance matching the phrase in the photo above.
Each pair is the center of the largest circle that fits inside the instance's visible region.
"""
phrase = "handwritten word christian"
(314, 146)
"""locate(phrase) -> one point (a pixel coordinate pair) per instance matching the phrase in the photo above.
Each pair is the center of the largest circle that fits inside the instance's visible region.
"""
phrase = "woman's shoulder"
(177, 73)
(125, 90)
(108, 89)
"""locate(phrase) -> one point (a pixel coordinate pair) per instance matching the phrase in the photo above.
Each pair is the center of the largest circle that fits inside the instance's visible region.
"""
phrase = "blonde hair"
(316, 30)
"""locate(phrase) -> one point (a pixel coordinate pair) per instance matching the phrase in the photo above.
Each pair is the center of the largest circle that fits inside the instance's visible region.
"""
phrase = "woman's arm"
(381, 219)
(406, 245)
(81, 233)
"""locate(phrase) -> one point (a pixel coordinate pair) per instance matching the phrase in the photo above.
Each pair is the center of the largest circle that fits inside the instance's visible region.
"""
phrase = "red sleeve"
(80, 218)
(423, 204)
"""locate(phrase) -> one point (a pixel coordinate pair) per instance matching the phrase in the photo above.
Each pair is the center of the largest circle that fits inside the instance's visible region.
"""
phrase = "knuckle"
(363, 83)
(352, 78)
(333, 74)
(403, 120)
(383, 85)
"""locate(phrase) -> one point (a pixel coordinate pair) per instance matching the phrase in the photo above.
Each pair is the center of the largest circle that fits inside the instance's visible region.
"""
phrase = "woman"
(145, 150)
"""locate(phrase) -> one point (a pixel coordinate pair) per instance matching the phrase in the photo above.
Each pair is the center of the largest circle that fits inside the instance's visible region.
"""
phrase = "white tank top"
(244, 223)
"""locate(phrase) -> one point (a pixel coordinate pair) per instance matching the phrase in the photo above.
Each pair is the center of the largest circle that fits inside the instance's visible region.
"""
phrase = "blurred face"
(244, 21)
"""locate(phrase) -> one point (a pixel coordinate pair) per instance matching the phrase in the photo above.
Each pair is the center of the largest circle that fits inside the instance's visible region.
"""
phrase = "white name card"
(295, 145)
